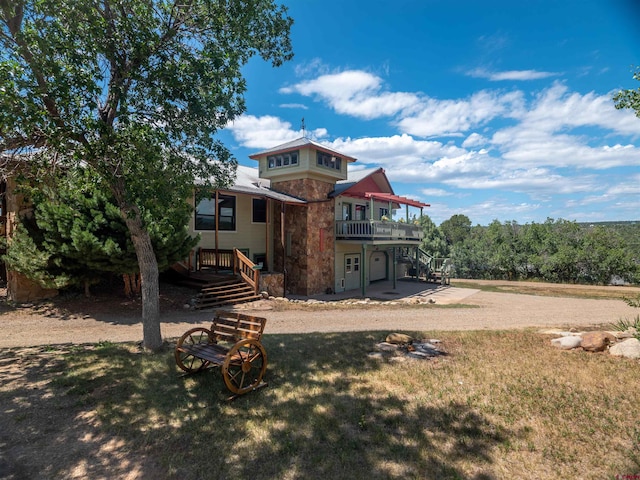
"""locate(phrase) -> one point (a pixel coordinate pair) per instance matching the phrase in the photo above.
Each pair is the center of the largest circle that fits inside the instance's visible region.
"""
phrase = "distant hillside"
(610, 224)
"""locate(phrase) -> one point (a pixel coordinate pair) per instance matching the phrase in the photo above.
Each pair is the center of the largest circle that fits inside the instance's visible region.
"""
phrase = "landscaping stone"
(596, 341)
(629, 348)
(567, 343)
(408, 348)
(399, 338)
(622, 335)
(386, 347)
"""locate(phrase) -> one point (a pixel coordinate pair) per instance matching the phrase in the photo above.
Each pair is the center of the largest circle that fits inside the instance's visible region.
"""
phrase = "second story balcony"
(376, 230)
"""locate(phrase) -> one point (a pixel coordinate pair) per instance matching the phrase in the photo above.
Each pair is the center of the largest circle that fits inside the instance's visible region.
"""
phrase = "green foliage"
(554, 251)
(625, 325)
(135, 90)
(629, 98)
(433, 241)
(456, 229)
(77, 235)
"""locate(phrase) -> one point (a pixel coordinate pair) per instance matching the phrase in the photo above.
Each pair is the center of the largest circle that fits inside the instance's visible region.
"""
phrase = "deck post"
(395, 262)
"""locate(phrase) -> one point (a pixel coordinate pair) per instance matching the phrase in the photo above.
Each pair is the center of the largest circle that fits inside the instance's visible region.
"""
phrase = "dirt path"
(481, 310)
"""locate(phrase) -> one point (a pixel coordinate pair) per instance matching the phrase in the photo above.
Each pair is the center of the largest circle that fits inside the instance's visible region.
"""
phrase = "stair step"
(210, 303)
(234, 294)
(226, 288)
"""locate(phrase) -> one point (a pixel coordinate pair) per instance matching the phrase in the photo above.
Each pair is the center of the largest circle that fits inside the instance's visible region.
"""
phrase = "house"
(309, 226)
(296, 224)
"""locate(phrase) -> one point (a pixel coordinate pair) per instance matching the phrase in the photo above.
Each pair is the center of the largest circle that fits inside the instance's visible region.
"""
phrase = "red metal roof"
(389, 197)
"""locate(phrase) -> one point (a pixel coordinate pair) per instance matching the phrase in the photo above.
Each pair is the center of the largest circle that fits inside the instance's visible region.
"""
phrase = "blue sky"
(494, 109)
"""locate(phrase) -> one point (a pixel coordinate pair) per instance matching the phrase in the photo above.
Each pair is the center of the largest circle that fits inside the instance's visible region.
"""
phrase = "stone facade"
(308, 255)
(272, 283)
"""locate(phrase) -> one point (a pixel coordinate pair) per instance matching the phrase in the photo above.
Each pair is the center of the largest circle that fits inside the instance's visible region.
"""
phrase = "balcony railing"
(377, 230)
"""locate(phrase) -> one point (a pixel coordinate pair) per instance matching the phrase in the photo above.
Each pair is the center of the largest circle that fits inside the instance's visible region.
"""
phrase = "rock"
(567, 343)
(399, 338)
(622, 335)
(376, 356)
(596, 341)
(264, 295)
(630, 348)
(386, 347)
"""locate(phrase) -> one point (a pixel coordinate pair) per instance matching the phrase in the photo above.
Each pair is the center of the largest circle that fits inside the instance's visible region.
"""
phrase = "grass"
(499, 405)
(550, 289)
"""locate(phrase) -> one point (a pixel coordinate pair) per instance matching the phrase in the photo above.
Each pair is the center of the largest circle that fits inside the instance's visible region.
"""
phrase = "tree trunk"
(151, 335)
(131, 284)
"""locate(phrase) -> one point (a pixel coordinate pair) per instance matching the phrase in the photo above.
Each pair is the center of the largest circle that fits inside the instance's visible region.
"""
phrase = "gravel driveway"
(478, 310)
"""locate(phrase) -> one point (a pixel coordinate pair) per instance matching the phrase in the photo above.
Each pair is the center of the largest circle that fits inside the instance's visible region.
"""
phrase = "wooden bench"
(232, 343)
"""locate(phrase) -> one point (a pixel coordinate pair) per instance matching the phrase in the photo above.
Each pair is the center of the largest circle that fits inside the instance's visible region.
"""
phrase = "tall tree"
(79, 231)
(433, 241)
(136, 90)
(456, 229)
(629, 98)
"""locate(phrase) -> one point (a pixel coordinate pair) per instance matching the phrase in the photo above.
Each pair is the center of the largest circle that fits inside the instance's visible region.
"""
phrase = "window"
(329, 161)
(282, 160)
(259, 210)
(384, 212)
(361, 212)
(261, 258)
(206, 213)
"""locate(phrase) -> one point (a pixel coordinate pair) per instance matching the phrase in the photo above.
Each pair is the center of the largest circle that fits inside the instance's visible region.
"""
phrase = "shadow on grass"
(328, 412)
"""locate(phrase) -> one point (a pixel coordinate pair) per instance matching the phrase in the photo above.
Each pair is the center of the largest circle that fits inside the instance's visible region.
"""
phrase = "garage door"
(378, 266)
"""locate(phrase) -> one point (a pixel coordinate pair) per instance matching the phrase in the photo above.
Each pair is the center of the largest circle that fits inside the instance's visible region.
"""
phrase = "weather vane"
(303, 128)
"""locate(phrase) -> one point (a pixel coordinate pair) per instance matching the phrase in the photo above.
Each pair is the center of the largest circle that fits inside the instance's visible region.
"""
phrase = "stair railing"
(248, 271)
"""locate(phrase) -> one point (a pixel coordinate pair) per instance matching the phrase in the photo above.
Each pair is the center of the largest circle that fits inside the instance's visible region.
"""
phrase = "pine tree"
(76, 235)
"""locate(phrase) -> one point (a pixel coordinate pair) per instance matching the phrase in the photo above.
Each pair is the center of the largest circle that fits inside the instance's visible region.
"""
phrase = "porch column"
(217, 218)
(417, 264)
(267, 228)
(395, 262)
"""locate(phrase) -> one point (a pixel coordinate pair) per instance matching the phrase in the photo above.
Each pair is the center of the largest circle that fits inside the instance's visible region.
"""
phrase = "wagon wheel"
(186, 360)
(244, 366)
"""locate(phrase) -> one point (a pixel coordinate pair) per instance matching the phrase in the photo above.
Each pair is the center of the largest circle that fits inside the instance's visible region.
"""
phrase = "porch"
(377, 230)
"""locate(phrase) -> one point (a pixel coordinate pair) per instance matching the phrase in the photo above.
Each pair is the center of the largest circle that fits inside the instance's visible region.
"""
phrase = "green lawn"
(499, 405)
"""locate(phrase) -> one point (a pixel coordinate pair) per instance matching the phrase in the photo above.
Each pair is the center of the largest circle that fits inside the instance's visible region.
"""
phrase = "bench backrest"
(232, 326)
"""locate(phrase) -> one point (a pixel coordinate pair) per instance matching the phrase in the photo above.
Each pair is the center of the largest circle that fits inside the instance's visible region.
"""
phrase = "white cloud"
(301, 106)
(475, 140)
(356, 93)
(267, 131)
(510, 74)
(630, 188)
(454, 117)
(496, 208)
(435, 192)
(556, 108)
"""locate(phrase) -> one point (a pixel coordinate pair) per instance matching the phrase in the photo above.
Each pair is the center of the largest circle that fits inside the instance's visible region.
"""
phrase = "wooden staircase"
(226, 292)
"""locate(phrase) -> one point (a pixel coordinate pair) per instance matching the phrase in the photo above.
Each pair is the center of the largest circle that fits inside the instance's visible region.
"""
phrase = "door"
(351, 271)
(346, 211)
(378, 269)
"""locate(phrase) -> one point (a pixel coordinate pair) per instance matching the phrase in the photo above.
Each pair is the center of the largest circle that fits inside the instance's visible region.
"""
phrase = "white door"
(378, 269)
(351, 271)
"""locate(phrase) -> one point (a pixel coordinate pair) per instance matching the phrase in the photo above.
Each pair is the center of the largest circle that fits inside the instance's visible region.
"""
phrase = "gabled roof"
(297, 144)
(361, 184)
(360, 180)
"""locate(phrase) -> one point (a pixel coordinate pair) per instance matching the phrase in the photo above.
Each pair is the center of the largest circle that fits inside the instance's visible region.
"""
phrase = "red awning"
(388, 197)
